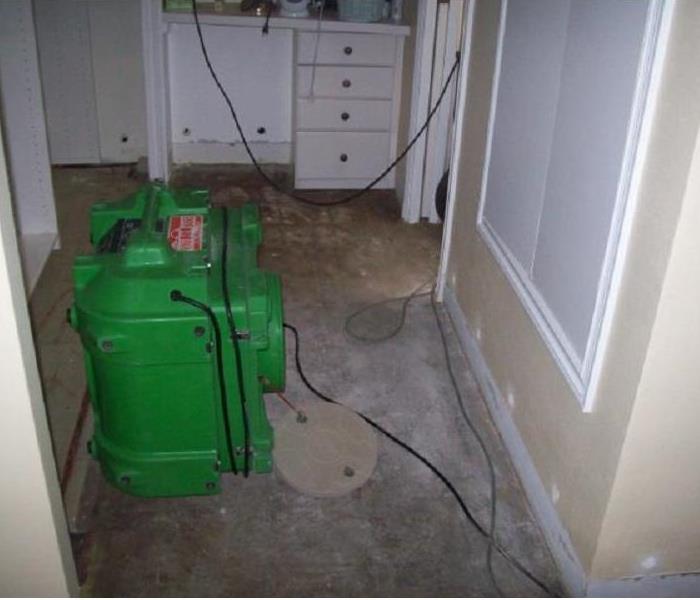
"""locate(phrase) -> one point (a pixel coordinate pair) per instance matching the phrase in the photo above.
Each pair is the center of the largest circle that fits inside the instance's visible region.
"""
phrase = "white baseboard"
(572, 573)
(219, 153)
(677, 585)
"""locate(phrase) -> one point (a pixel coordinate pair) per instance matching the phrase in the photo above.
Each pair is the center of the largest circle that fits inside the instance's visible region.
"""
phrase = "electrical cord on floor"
(488, 534)
(268, 15)
(482, 445)
(394, 331)
(266, 177)
(492, 543)
(177, 296)
(234, 334)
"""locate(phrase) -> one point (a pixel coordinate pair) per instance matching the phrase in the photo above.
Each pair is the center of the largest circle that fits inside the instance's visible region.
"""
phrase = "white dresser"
(341, 134)
(345, 126)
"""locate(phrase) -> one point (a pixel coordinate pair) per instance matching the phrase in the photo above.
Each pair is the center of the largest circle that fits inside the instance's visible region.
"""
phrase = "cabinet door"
(92, 74)
(63, 38)
(256, 72)
(117, 63)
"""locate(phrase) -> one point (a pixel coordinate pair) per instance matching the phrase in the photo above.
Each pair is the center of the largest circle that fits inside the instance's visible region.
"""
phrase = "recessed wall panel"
(531, 63)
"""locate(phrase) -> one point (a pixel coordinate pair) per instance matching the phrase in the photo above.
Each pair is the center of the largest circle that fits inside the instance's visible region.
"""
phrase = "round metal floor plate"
(331, 453)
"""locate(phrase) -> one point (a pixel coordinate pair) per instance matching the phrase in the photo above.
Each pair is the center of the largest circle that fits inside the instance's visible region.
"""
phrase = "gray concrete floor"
(402, 534)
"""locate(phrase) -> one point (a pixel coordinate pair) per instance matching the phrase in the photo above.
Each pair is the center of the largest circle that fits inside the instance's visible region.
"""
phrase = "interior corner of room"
(500, 284)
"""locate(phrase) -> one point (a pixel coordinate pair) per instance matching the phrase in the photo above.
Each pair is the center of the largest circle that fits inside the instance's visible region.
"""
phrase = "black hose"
(234, 340)
(441, 476)
(177, 296)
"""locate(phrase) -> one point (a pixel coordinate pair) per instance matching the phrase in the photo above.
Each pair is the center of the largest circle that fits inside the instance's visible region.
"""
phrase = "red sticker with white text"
(185, 232)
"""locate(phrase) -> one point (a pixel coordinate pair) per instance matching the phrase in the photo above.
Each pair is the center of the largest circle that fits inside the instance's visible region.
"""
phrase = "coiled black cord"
(234, 340)
(177, 296)
(441, 476)
(273, 183)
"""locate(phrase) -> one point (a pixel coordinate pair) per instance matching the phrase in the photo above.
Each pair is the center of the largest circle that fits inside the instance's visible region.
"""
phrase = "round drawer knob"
(343, 157)
(348, 50)
(345, 116)
(346, 83)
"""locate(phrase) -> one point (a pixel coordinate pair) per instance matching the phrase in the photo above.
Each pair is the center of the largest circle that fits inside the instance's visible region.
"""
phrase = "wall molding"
(582, 373)
(573, 575)
(673, 585)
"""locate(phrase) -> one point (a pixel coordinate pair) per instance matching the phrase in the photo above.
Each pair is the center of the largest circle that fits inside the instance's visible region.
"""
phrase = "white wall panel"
(22, 112)
(596, 95)
(117, 60)
(569, 101)
(63, 34)
(531, 64)
(23, 116)
(255, 70)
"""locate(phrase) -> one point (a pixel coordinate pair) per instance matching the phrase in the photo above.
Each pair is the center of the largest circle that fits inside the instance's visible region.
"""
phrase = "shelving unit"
(26, 141)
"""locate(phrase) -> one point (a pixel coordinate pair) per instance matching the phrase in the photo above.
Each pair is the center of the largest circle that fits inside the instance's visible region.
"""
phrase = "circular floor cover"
(331, 453)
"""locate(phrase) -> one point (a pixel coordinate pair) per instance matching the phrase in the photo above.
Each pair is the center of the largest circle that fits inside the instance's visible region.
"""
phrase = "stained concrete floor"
(402, 534)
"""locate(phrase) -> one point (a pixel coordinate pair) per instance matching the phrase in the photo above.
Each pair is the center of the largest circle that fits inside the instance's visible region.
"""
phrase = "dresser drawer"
(343, 115)
(340, 155)
(346, 49)
(347, 82)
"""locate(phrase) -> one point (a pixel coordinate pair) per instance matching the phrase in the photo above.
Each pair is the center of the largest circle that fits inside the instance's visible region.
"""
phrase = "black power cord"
(441, 476)
(377, 337)
(482, 446)
(234, 335)
(266, 177)
(177, 296)
(492, 543)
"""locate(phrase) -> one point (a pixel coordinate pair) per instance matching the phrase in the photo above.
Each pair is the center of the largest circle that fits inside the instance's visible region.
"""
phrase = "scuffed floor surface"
(402, 534)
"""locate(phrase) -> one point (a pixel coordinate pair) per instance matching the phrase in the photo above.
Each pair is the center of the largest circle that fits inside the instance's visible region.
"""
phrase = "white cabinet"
(92, 75)
(339, 155)
(348, 86)
(340, 134)
(255, 71)
(339, 114)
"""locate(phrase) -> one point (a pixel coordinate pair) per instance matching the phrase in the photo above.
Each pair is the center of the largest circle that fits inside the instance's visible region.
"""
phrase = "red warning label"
(185, 232)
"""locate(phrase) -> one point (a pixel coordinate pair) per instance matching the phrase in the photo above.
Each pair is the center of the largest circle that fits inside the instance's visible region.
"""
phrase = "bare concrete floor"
(402, 534)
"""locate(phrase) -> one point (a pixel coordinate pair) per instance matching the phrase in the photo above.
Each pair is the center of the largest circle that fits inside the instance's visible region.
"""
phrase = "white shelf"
(232, 15)
(35, 249)
(27, 144)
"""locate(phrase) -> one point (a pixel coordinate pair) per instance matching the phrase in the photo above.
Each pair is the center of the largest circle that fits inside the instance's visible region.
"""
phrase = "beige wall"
(652, 522)
(576, 454)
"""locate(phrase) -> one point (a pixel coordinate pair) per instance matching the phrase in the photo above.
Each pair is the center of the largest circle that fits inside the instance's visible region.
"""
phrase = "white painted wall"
(255, 70)
(36, 557)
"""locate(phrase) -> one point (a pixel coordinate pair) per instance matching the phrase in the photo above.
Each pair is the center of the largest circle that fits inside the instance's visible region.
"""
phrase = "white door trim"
(38, 560)
(431, 168)
(618, 247)
(462, 94)
(441, 130)
(156, 84)
(420, 100)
